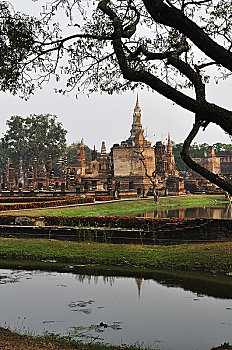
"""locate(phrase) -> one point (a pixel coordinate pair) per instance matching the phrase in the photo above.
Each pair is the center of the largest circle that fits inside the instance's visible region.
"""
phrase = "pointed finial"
(94, 153)
(137, 102)
(82, 141)
(103, 148)
(169, 146)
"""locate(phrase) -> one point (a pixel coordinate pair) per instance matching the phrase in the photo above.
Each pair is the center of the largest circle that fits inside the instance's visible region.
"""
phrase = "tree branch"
(175, 18)
(211, 112)
(74, 36)
(130, 29)
(214, 178)
(197, 3)
(148, 54)
(152, 177)
(191, 74)
(204, 65)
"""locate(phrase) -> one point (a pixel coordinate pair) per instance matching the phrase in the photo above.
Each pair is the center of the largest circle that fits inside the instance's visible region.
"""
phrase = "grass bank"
(128, 207)
(10, 340)
(212, 257)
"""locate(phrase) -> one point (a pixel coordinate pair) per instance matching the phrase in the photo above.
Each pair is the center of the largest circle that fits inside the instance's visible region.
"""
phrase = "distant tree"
(35, 136)
(71, 152)
(222, 147)
(180, 164)
(196, 151)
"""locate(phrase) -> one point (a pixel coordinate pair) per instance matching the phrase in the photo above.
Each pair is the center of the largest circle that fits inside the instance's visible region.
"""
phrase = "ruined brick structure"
(127, 171)
(195, 183)
(210, 162)
(10, 175)
(226, 164)
(165, 161)
(96, 177)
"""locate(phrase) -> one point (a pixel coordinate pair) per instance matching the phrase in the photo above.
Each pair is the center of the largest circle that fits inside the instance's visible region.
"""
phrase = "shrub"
(101, 221)
(45, 204)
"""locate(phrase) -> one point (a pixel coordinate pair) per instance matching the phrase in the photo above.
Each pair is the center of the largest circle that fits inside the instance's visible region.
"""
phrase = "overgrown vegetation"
(197, 150)
(36, 136)
(9, 339)
(50, 202)
(71, 152)
(211, 257)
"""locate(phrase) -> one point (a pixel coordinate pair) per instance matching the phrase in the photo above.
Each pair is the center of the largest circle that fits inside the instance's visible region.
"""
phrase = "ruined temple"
(126, 171)
(195, 183)
(165, 161)
(209, 161)
(226, 164)
(96, 178)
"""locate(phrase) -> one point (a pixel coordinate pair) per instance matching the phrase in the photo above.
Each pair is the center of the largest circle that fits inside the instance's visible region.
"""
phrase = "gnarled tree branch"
(175, 18)
(214, 178)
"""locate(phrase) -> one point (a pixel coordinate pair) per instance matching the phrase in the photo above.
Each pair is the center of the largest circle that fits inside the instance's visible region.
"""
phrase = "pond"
(222, 212)
(160, 310)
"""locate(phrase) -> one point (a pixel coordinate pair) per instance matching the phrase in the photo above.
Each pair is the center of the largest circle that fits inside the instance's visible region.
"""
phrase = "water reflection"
(118, 309)
(207, 284)
(222, 212)
(83, 278)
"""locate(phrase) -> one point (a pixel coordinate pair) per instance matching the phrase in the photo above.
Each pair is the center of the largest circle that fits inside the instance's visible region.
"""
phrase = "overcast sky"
(102, 117)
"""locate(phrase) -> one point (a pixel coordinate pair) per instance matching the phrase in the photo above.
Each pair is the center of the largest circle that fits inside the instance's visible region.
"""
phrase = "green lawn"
(210, 257)
(128, 207)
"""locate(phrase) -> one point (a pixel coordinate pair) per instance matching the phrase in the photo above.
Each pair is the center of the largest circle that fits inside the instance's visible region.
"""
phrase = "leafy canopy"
(35, 136)
(168, 46)
(197, 150)
(110, 44)
(71, 152)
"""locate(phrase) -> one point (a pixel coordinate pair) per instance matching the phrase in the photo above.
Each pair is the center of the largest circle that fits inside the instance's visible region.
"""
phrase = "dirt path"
(13, 341)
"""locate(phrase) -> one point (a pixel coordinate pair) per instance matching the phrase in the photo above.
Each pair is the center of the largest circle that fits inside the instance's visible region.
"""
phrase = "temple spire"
(82, 150)
(169, 146)
(137, 124)
(103, 149)
(80, 155)
(137, 113)
(94, 153)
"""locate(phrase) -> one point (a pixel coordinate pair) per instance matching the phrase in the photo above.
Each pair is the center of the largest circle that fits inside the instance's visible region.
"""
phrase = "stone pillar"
(35, 168)
(49, 164)
(51, 181)
(30, 178)
(21, 176)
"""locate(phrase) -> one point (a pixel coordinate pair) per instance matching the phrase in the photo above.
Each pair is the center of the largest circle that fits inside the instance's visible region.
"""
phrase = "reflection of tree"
(82, 278)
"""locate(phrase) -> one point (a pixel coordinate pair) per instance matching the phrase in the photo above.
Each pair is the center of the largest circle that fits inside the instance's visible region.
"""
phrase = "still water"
(222, 212)
(160, 312)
